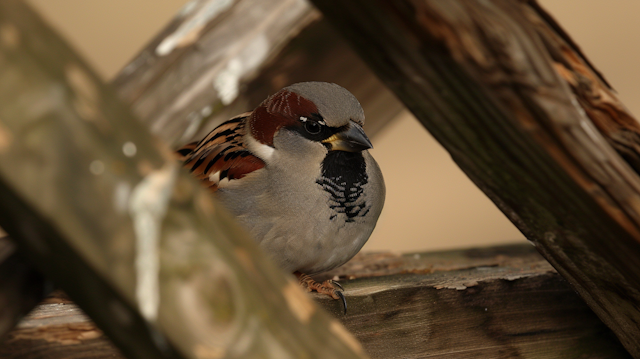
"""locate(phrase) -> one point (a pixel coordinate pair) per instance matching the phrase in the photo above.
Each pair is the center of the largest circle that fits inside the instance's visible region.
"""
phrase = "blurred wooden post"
(103, 209)
(518, 107)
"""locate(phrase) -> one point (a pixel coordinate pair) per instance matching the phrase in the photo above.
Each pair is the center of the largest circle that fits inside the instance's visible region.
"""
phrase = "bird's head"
(309, 118)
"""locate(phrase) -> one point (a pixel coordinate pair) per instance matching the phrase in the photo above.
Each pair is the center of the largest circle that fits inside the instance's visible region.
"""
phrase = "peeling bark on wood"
(500, 302)
(518, 107)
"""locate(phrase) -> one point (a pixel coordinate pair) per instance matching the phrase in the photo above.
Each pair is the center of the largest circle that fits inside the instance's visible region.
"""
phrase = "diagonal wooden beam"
(199, 63)
(188, 79)
(518, 107)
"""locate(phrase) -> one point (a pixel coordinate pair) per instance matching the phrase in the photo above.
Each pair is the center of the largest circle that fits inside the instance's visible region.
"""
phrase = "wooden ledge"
(498, 302)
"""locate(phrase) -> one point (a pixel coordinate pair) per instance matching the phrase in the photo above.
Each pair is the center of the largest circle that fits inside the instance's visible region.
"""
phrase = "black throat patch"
(344, 175)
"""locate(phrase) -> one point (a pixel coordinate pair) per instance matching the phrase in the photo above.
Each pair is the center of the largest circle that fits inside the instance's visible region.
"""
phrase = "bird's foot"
(328, 287)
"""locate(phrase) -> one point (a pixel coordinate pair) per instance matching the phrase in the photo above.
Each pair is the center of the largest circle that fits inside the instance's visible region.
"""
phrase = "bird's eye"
(312, 127)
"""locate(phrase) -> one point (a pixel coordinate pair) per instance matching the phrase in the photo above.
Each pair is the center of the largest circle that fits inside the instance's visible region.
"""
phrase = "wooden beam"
(518, 107)
(319, 53)
(226, 67)
(57, 328)
(499, 302)
(199, 63)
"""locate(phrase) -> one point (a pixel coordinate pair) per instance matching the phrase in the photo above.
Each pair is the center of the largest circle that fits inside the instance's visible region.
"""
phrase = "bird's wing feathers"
(221, 157)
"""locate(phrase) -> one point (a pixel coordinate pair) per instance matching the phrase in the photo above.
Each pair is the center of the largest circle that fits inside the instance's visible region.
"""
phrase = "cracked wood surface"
(497, 302)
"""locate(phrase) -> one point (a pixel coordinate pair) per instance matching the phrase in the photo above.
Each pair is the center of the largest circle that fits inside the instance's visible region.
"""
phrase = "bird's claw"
(327, 287)
(344, 301)
(333, 282)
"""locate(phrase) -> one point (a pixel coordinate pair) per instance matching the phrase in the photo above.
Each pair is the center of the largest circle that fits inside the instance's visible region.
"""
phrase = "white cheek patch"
(264, 152)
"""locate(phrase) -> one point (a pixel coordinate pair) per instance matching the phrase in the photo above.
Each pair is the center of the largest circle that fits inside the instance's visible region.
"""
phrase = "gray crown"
(334, 102)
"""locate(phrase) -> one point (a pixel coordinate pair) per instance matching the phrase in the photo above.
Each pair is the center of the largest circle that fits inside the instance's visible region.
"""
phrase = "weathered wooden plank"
(239, 56)
(500, 302)
(102, 208)
(197, 65)
(318, 53)
(514, 102)
(57, 328)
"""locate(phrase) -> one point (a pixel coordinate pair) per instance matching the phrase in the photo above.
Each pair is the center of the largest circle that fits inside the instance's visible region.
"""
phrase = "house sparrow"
(297, 175)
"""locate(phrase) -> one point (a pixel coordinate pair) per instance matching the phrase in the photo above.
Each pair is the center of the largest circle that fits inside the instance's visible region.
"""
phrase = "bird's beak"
(353, 139)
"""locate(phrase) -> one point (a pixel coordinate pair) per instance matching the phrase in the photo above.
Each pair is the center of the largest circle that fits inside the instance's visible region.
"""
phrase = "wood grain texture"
(499, 302)
(492, 81)
(57, 328)
(252, 49)
(199, 63)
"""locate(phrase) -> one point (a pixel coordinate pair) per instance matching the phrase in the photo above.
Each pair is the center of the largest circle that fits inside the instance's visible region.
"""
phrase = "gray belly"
(314, 226)
(308, 236)
(314, 249)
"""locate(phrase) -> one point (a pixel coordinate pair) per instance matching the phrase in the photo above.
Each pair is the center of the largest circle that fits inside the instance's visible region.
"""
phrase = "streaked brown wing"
(221, 155)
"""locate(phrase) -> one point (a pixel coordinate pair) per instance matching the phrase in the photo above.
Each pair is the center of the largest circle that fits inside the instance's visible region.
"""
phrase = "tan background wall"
(429, 206)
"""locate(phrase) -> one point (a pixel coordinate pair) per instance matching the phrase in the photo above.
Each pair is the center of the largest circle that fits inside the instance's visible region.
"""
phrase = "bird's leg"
(327, 287)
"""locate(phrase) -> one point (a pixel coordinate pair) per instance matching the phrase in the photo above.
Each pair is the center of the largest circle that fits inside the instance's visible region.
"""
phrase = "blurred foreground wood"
(102, 208)
(164, 86)
(526, 116)
(500, 302)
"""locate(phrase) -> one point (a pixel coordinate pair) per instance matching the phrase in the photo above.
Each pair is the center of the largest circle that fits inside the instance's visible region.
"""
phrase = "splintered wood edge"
(370, 273)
